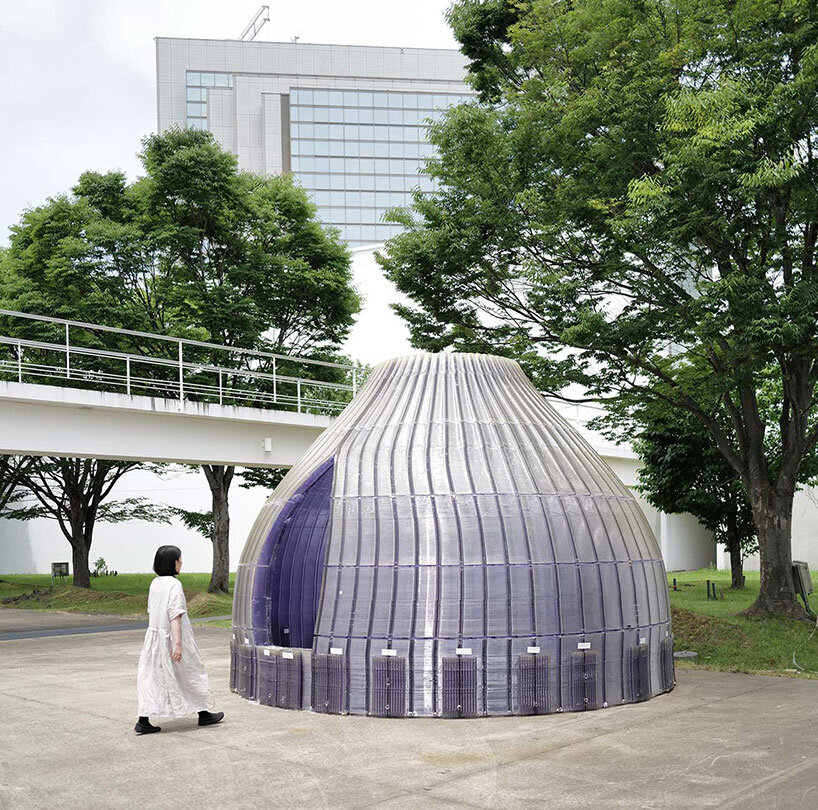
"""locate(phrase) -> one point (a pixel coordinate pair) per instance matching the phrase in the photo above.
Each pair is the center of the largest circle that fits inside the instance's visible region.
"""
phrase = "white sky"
(79, 92)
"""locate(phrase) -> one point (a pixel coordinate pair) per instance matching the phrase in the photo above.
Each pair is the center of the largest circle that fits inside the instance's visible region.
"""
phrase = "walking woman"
(171, 681)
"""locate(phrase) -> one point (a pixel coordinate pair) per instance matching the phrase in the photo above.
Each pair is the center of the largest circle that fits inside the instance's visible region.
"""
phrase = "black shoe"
(146, 728)
(209, 719)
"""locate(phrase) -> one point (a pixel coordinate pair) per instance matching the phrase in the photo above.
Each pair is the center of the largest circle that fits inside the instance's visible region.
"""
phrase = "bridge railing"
(83, 358)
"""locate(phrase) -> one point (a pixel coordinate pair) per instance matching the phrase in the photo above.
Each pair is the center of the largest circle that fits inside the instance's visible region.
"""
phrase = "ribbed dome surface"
(461, 550)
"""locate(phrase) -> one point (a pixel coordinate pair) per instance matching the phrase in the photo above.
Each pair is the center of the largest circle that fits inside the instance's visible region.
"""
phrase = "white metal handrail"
(303, 393)
(185, 385)
(168, 338)
(163, 361)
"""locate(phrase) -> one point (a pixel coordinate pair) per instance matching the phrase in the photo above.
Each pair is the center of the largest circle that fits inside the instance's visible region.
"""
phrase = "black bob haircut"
(164, 563)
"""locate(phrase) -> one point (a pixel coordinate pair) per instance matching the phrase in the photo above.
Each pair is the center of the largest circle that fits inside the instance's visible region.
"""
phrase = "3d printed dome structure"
(450, 547)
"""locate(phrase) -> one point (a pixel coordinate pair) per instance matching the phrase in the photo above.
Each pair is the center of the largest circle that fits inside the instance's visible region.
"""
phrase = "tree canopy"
(194, 248)
(73, 492)
(634, 199)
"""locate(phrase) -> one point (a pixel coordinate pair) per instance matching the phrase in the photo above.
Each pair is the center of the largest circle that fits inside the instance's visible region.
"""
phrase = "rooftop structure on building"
(348, 121)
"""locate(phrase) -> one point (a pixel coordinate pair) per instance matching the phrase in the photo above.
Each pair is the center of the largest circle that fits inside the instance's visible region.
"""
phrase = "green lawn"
(125, 594)
(727, 641)
(723, 639)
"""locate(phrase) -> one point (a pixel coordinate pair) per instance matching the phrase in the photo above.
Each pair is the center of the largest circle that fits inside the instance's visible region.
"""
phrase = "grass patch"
(728, 641)
(218, 623)
(123, 595)
(724, 639)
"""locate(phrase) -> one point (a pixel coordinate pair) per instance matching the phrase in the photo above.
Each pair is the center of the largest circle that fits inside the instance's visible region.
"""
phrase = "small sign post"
(59, 569)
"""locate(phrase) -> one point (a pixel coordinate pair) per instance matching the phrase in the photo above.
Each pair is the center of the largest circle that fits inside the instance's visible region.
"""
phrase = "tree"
(72, 491)
(193, 249)
(248, 263)
(683, 472)
(636, 197)
(12, 470)
(202, 521)
(219, 478)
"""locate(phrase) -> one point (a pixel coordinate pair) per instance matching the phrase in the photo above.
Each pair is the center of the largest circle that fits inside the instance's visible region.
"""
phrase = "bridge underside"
(43, 420)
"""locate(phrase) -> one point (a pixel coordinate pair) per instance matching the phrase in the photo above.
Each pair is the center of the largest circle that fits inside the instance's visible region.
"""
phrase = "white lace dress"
(167, 688)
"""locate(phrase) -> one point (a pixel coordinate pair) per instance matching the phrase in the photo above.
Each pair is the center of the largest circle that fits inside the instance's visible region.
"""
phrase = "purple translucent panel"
(459, 686)
(640, 672)
(286, 595)
(532, 683)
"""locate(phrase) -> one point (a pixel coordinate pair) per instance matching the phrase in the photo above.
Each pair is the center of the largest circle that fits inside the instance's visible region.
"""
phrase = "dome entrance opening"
(289, 588)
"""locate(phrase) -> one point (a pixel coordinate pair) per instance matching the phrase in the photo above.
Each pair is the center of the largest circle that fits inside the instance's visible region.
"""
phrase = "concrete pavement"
(16, 623)
(67, 706)
(20, 620)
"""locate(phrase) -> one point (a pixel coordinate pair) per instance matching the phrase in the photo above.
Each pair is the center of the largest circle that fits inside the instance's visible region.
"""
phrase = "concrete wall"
(804, 533)
(31, 547)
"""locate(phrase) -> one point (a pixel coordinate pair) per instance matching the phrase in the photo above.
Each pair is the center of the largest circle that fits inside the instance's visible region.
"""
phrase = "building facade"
(348, 121)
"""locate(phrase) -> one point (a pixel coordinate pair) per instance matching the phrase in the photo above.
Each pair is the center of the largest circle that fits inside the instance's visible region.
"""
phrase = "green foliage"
(637, 200)
(201, 522)
(194, 249)
(266, 477)
(482, 28)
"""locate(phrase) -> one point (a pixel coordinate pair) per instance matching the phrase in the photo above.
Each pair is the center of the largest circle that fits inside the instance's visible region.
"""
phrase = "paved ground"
(66, 741)
(19, 620)
(18, 623)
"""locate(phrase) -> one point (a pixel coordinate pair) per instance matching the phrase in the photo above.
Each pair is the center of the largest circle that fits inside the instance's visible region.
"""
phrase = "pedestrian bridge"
(101, 392)
(69, 388)
(46, 420)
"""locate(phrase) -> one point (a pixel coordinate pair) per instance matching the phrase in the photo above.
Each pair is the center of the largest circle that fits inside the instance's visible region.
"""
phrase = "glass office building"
(349, 122)
(360, 153)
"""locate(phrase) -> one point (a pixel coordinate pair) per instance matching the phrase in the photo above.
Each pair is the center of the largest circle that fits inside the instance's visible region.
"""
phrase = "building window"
(361, 152)
(196, 95)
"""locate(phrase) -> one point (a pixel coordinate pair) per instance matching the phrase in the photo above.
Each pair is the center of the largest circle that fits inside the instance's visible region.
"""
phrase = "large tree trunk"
(82, 574)
(219, 478)
(80, 539)
(773, 517)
